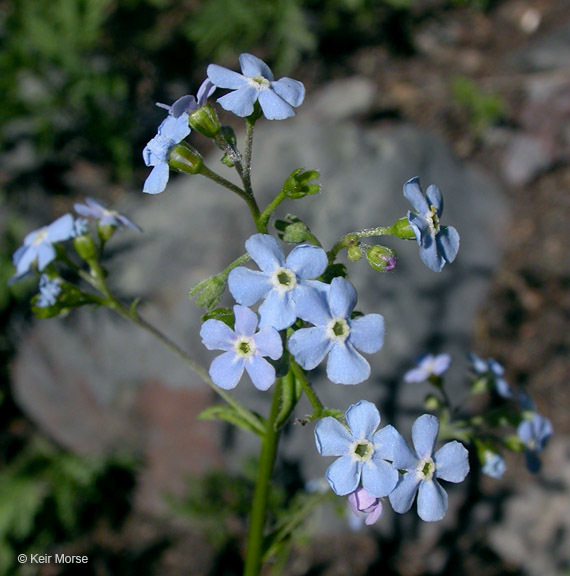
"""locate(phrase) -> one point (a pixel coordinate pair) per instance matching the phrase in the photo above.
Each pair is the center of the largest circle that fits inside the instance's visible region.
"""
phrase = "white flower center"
(432, 219)
(362, 450)
(284, 280)
(259, 82)
(426, 468)
(244, 347)
(40, 237)
(338, 330)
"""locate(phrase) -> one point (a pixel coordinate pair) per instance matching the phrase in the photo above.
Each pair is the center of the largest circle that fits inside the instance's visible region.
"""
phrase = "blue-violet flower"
(534, 434)
(49, 291)
(94, 209)
(336, 334)
(424, 469)
(494, 465)
(283, 282)
(277, 98)
(428, 365)
(38, 245)
(244, 348)
(438, 244)
(363, 504)
(363, 451)
(170, 132)
(492, 370)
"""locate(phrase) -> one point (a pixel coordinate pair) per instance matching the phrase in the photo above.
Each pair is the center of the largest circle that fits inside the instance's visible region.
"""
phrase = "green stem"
(97, 280)
(249, 126)
(315, 401)
(246, 195)
(266, 214)
(254, 554)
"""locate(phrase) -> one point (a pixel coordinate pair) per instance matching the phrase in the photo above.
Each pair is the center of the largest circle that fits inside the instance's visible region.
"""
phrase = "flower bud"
(86, 248)
(297, 184)
(296, 233)
(205, 120)
(185, 158)
(402, 229)
(354, 253)
(381, 258)
(433, 403)
(105, 231)
(514, 443)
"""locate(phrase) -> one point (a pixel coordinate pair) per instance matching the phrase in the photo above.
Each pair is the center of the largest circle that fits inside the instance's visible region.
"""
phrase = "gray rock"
(82, 378)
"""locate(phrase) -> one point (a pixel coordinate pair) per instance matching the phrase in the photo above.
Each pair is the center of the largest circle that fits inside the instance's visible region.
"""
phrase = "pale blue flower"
(363, 451)
(283, 282)
(336, 334)
(366, 506)
(170, 132)
(95, 209)
(423, 469)
(277, 98)
(438, 244)
(79, 227)
(492, 370)
(494, 465)
(534, 434)
(38, 247)
(189, 103)
(428, 365)
(244, 349)
(49, 291)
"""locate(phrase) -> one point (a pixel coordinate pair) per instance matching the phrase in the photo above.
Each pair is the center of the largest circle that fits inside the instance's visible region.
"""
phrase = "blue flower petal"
(434, 198)
(226, 370)
(307, 261)
(312, 304)
(413, 193)
(424, 434)
(379, 478)
(332, 438)
(175, 129)
(240, 102)
(246, 321)
(216, 335)
(346, 366)
(157, 179)
(292, 91)
(367, 333)
(278, 310)
(494, 466)
(432, 501)
(252, 66)
(46, 254)
(452, 462)
(26, 259)
(273, 106)
(61, 229)
(402, 497)
(269, 343)
(265, 251)
(184, 104)
(419, 225)
(448, 243)
(342, 298)
(224, 78)
(416, 375)
(479, 365)
(248, 286)
(441, 364)
(261, 372)
(309, 346)
(207, 88)
(363, 419)
(344, 475)
(388, 443)
(503, 389)
(430, 255)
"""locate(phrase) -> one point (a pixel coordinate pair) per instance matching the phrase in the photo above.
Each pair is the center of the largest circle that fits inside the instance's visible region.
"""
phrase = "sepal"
(297, 184)
(381, 258)
(205, 120)
(225, 315)
(402, 229)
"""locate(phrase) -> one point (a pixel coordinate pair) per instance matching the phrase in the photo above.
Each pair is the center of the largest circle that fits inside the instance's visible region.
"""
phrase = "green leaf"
(231, 415)
(291, 391)
(225, 315)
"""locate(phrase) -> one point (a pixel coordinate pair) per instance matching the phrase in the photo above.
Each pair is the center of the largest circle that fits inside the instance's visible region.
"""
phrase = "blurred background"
(101, 452)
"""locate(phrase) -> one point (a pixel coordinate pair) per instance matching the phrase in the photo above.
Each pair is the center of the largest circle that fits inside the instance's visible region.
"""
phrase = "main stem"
(253, 559)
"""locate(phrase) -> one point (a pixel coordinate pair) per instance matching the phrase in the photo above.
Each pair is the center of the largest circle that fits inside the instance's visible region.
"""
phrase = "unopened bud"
(381, 258)
(402, 229)
(354, 253)
(296, 233)
(185, 158)
(205, 120)
(105, 231)
(432, 403)
(86, 248)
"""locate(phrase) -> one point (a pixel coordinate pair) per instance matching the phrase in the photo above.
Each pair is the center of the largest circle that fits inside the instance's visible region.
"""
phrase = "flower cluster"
(492, 372)
(374, 463)
(290, 292)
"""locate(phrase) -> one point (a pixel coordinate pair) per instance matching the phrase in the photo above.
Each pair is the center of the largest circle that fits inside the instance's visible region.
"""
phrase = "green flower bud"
(185, 158)
(480, 386)
(86, 248)
(402, 229)
(354, 253)
(432, 403)
(205, 120)
(296, 233)
(514, 443)
(297, 184)
(381, 258)
(105, 232)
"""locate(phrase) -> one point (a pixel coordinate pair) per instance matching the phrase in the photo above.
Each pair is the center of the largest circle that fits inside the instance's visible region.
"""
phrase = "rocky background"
(498, 149)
